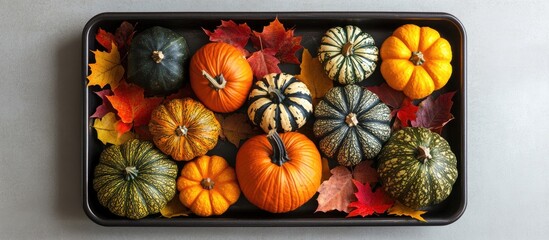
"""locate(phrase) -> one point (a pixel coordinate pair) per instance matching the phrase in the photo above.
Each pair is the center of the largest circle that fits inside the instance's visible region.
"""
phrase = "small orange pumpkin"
(221, 77)
(184, 129)
(278, 173)
(416, 60)
(208, 186)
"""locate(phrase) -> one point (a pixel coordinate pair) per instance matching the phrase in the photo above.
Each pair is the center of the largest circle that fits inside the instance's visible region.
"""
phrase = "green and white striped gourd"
(348, 54)
(279, 101)
(417, 167)
(134, 179)
(352, 124)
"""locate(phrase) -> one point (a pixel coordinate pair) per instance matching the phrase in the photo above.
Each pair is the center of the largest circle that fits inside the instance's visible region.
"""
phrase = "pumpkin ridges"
(419, 84)
(427, 37)
(409, 34)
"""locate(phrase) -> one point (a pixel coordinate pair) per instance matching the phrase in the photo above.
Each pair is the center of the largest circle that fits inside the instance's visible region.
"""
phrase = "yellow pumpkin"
(208, 186)
(416, 60)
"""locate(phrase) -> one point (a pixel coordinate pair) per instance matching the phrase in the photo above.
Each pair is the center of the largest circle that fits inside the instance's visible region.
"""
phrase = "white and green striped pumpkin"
(279, 101)
(348, 54)
(134, 179)
(417, 167)
(352, 124)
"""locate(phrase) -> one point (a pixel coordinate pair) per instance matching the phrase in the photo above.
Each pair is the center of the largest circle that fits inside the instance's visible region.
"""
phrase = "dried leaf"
(231, 33)
(235, 128)
(105, 39)
(365, 173)
(337, 192)
(275, 36)
(400, 210)
(434, 114)
(369, 202)
(105, 106)
(106, 130)
(314, 76)
(107, 68)
(221, 119)
(124, 35)
(263, 62)
(174, 208)
(389, 96)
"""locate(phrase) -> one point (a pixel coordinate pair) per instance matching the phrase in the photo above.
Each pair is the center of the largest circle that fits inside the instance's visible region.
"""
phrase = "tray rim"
(279, 222)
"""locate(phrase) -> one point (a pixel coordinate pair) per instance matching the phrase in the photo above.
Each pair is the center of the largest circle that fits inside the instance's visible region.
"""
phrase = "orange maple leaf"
(399, 209)
(107, 68)
(106, 130)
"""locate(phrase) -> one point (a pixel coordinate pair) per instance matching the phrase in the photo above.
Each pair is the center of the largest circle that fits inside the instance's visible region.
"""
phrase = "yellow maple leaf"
(106, 130)
(107, 68)
(399, 209)
(314, 76)
(174, 208)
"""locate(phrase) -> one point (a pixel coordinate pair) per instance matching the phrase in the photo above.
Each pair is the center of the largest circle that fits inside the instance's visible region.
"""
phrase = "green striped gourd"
(417, 167)
(348, 54)
(279, 101)
(134, 179)
(352, 124)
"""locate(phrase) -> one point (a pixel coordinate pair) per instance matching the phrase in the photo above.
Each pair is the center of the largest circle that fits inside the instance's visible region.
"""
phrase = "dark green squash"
(352, 124)
(417, 167)
(348, 54)
(134, 179)
(279, 101)
(157, 60)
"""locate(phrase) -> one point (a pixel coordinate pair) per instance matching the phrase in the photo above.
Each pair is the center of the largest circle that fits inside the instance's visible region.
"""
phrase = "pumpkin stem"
(275, 94)
(207, 183)
(181, 131)
(157, 56)
(347, 49)
(130, 173)
(424, 154)
(417, 58)
(216, 83)
(351, 120)
(280, 155)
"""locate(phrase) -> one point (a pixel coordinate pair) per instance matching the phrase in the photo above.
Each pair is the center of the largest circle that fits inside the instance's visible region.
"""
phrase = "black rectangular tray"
(311, 26)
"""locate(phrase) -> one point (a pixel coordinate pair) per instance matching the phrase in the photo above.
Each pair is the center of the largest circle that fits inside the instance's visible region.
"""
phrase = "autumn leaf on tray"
(369, 202)
(131, 105)
(174, 208)
(326, 174)
(400, 210)
(121, 37)
(401, 106)
(406, 112)
(314, 76)
(107, 68)
(231, 33)
(106, 130)
(236, 128)
(105, 39)
(434, 114)
(337, 192)
(275, 36)
(263, 62)
(365, 173)
(105, 106)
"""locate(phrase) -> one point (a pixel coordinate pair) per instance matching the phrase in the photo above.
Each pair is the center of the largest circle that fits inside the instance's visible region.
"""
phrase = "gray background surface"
(508, 141)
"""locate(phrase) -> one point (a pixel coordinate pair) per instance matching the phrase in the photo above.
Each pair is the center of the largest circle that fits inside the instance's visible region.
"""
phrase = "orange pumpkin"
(416, 60)
(278, 173)
(184, 129)
(208, 186)
(221, 77)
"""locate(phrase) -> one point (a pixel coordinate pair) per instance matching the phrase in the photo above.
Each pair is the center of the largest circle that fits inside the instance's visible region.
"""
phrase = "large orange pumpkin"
(184, 129)
(208, 186)
(221, 77)
(278, 173)
(416, 60)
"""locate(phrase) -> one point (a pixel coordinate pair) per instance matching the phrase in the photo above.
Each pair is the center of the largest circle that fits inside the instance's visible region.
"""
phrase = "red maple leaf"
(131, 105)
(105, 106)
(401, 106)
(231, 33)
(406, 112)
(365, 173)
(122, 37)
(434, 114)
(276, 37)
(263, 62)
(369, 202)
(105, 39)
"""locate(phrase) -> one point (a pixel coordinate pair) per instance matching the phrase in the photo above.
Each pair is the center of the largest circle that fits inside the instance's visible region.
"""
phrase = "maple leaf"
(314, 76)
(122, 127)
(231, 33)
(337, 192)
(263, 62)
(434, 114)
(174, 208)
(105, 39)
(105, 106)
(365, 173)
(399, 209)
(236, 129)
(124, 35)
(107, 68)
(369, 202)
(389, 96)
(106, 130)
(406, 112)
(131, 105)
(275, 36)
